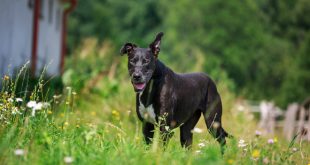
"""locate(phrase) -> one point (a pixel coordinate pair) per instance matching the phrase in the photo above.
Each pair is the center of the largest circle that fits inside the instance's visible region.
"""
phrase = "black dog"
(178, 99)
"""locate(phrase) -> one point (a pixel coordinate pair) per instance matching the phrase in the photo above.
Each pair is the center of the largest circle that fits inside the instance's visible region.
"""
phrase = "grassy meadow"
(93, 121)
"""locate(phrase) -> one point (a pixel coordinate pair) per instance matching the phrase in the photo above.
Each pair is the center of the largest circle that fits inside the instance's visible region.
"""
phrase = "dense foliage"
(259, 48)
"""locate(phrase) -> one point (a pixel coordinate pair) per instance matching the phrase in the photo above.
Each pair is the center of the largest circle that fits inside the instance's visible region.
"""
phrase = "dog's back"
(187, 92)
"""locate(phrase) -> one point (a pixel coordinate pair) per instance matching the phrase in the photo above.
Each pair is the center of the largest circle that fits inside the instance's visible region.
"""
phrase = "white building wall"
(16, 21)
(49, 43)
(15, 34)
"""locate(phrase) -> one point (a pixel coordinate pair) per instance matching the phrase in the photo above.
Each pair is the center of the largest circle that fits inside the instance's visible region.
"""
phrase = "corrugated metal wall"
(15, 34)
(16, 19)
(49, 48)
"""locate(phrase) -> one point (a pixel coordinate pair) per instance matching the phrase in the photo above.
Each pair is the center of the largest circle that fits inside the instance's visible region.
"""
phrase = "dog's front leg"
(166, 134)
(147, 128)
(148, 132)
(166, 125)
(186, 135)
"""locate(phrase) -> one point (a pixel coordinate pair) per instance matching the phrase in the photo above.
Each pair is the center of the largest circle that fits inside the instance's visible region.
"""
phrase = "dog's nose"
(136, 76)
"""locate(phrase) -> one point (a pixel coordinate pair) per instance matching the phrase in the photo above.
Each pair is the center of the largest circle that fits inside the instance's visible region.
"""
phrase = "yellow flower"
(6, 77)
(230, 161)
(93, 113)
(66, 123)
(77, 126)
(49, 112)
(255, 153)
(275, 139)
(115, 114)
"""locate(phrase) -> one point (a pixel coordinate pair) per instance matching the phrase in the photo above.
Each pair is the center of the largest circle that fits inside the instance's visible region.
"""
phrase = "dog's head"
(141, 62)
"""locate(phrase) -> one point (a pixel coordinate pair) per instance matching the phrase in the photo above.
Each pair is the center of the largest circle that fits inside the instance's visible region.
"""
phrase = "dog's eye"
(132, 61)
(147, 60)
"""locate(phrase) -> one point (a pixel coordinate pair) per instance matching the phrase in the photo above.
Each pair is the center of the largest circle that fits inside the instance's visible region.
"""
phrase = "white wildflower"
(38, 106)
(198, 151)
(19, 152)
(31, 104)
(197, 130)
(68, 159)
(19, 100)
(242, 143)
(33, 112)
(10, 100)
(201, 145)
(57, 96)
(15, 111)
(45, 105)
(240, 108)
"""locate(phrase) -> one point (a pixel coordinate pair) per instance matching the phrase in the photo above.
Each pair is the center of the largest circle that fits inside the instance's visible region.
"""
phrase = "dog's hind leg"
(213, 115)
(148, 132)
(186, 135)
(214, 124)
(215, 128)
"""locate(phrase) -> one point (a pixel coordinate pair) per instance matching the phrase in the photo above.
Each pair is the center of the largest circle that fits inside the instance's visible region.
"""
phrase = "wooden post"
(290, 121)
(267, 119)
(307, 125)
(302, 117)
(35, 37)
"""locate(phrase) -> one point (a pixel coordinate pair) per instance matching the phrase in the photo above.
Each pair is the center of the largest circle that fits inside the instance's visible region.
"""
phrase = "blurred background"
(65, 53)
(257, 51)
(258, 48)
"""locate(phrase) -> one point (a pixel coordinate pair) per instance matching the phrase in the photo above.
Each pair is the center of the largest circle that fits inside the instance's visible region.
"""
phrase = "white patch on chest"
(147, 113)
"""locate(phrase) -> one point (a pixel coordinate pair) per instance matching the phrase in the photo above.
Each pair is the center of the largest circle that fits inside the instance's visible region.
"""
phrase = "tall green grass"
(97, 124)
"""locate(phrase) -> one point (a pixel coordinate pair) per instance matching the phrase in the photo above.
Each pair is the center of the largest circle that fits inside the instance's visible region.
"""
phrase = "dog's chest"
(147, 113)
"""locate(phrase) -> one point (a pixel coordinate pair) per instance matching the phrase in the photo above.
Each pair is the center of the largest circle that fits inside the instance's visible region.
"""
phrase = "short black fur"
(180, 98)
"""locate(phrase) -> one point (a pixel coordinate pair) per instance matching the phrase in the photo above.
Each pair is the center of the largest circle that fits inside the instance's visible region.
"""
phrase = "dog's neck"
(146, 96)
(159, 70)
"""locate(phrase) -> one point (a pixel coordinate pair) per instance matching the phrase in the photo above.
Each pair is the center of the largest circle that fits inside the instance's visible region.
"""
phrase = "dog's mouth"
(139, 86)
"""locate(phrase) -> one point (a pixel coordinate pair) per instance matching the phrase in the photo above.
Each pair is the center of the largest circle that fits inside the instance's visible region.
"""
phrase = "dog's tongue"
(139, 86)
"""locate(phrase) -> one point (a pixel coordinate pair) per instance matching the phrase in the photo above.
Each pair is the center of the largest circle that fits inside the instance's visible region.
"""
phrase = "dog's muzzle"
(138, 82)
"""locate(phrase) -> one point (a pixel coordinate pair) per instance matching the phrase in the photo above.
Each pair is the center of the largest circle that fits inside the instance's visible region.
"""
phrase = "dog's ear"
(155, 45)
(127, 48)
